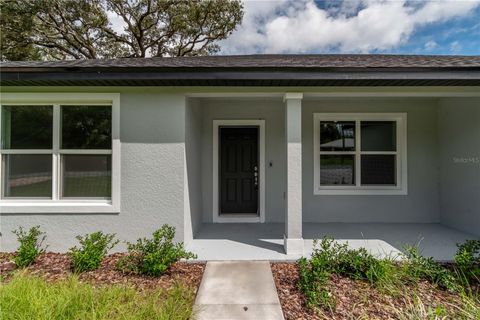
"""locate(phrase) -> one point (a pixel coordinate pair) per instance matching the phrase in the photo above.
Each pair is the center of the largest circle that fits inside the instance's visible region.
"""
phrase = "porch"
(423, 192)
(244, 241)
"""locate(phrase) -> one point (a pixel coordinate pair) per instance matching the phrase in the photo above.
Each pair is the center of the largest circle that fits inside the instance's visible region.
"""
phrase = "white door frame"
(217, 218)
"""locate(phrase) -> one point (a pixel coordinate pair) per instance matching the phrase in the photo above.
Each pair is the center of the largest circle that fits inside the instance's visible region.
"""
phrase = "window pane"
(86, 127)
(87, 176)
(337, 170)
(27, 127)
(378, 170)
(337, 136)
(27, 175)
(379, 135)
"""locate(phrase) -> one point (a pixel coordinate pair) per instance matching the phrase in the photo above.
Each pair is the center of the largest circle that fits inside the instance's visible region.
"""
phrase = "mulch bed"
(56, 266)
(354, 299)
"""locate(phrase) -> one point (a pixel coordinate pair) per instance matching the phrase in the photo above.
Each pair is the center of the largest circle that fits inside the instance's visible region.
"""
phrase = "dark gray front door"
(238, 170)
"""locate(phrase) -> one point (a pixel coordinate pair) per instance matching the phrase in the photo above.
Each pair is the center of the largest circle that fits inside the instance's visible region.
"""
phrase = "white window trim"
(56, 205)
(401, 175)
(217, 217)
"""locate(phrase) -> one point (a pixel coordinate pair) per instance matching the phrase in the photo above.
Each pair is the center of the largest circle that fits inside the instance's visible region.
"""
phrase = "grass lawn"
(48, 290)
(30, 297)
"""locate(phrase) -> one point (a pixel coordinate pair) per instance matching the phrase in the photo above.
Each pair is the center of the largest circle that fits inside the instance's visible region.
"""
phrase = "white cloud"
(350, 26)
(455, 47)
(430, 45)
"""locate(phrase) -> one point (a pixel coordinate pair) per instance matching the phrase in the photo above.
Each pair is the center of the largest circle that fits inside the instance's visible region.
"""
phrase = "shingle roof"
(249, 70)
(265, 61)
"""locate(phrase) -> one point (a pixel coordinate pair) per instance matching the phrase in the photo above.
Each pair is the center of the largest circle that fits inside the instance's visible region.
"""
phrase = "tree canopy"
(84, 29)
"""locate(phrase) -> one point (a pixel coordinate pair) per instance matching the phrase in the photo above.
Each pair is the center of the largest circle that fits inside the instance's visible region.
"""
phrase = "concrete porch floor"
(243, 241)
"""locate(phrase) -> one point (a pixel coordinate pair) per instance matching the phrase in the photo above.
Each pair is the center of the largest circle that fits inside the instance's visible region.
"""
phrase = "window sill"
(359, 192)
(58, 207)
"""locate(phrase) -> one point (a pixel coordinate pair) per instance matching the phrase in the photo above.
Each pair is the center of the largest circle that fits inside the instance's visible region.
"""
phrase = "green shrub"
(418, 267)
(31, 245)
(467, 260)
(93, 248)
(314, 274)
(330, 257)
(154, 256)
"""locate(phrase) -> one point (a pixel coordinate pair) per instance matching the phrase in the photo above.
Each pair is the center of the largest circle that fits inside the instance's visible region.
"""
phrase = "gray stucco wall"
(422, 202)
(166, 167)
(193, 183)
(459, 138)
(272, 111)
(420, 205)
(152, 178)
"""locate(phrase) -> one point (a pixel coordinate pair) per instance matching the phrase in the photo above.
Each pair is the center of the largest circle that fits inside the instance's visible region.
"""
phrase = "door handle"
(255, 176)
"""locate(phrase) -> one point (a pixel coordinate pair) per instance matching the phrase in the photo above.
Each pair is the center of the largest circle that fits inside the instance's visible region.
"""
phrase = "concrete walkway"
(237, 290)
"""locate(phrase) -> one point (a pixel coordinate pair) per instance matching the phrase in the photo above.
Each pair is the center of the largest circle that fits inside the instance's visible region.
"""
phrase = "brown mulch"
(56, 266)
(291, 298)
(354, 299)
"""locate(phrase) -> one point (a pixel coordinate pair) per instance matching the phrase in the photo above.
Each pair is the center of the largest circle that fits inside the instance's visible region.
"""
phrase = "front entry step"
(238, 290)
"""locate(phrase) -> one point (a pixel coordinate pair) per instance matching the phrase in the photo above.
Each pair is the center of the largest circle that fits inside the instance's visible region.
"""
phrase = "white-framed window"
(60, 152)
(360, 153)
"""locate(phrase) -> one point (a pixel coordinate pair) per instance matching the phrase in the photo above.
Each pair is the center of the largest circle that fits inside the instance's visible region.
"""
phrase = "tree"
(82, 29)
(16, 28)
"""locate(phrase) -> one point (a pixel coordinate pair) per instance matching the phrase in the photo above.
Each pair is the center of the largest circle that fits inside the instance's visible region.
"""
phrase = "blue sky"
(456, 36)
(358, 26)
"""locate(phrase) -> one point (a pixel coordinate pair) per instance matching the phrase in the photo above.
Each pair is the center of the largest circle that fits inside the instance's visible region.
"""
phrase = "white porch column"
(293, 240)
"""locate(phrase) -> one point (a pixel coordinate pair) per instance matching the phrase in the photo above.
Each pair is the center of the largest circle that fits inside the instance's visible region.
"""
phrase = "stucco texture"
(166, 167)
(459, 139)
(152, 179)
(421, 205)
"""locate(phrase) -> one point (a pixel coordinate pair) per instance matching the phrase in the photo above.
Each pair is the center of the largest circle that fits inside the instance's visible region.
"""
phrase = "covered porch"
(246, 241)
(429, 196)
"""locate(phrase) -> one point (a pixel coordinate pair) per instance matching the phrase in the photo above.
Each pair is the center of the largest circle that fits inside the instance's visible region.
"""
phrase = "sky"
(357, 26)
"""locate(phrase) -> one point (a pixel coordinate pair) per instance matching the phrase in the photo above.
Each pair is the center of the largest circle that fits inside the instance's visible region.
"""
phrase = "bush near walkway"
(341, 283)
(467, 260)
(154, 256)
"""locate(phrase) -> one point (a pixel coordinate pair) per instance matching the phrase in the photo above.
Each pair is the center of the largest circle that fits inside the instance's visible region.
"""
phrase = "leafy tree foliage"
(16, 28)
(83, 29)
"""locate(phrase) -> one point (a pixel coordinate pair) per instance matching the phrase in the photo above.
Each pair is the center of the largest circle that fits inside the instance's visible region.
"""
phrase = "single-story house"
(249, 157)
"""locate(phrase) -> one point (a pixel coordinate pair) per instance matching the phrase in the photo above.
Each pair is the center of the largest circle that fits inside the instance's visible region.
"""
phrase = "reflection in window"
(87, 176)
(30, 154)
(27, 175)
(378, 169)
(337, 136)
(378, 135)
(27, 127)
(359, 153)
(337, 170)
(86, 127)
